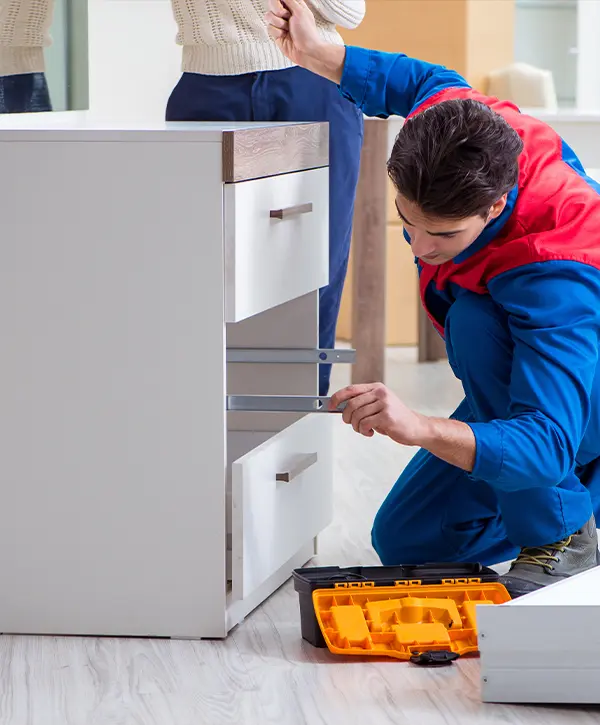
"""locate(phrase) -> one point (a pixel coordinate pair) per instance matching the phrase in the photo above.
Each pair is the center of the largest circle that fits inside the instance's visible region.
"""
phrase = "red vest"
(556, 216)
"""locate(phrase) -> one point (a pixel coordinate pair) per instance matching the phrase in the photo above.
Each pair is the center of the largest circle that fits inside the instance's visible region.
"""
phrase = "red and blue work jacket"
(539, 261)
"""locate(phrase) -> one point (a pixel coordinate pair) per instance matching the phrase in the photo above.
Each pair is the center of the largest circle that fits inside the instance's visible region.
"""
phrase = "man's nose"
(422, 246)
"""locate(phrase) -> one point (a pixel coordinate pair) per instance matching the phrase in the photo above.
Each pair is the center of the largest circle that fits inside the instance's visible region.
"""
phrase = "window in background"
(546, 37)
(67, 57)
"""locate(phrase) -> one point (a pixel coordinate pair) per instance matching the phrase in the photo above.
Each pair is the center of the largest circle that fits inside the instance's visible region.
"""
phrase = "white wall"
(588, 76)
(133, 60)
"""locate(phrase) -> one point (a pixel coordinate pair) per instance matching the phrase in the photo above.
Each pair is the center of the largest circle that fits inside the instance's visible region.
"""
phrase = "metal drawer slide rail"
(289, 355)
(280, 404)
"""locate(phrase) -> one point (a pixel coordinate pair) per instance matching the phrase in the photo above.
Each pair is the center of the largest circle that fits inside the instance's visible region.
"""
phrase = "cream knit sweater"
(230, 37)
(24, 32)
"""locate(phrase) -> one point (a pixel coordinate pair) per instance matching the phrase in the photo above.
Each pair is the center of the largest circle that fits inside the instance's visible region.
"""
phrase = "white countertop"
(76, 125)
(579, 128)
(564, 115)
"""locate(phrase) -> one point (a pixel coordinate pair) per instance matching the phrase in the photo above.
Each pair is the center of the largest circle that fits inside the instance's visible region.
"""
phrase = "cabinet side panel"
(111, 394)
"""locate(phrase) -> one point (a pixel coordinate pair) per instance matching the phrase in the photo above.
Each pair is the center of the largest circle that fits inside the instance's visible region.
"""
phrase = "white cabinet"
(124, 481)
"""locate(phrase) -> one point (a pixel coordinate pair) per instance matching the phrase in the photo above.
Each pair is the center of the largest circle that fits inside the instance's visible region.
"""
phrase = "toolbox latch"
(434, 659)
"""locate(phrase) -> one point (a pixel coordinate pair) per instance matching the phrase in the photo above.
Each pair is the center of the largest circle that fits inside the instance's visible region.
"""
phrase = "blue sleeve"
(554, 319)
(392, 84)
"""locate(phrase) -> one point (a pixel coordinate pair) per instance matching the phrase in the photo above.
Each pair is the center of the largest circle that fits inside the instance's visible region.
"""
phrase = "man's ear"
(497, 208)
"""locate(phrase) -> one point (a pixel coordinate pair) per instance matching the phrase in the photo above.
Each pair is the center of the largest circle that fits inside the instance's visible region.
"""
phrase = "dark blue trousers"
(293, 94)
(25, 93)
(435, 512)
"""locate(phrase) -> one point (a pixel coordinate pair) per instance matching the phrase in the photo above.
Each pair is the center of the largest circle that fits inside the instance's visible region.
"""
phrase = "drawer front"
(276, 241)
(281, 499)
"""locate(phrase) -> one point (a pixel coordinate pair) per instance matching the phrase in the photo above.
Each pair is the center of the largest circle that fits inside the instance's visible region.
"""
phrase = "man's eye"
(448, 236)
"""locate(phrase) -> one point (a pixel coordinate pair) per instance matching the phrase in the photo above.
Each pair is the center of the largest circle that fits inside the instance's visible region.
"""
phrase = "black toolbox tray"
(309, 579)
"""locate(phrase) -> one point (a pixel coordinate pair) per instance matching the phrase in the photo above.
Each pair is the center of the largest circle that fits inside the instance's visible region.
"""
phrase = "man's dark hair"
(455, 159)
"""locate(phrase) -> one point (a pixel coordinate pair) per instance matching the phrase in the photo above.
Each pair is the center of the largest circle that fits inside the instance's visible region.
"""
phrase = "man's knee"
(419, 529)
(404, 541)
(403, 535)
(391, 542)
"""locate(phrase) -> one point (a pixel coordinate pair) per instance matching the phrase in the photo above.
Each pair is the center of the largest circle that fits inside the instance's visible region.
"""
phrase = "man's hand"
(373, 408)
(292, 26)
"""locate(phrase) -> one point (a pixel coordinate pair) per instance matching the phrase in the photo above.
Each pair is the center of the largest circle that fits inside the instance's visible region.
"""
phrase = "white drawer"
(270, 260)
(273, 519)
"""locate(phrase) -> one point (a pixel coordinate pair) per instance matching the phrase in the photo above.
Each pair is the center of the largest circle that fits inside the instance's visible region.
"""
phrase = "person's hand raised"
(292, 26)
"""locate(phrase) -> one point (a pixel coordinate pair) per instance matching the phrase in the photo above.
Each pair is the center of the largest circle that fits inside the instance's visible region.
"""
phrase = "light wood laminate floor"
(264, 673)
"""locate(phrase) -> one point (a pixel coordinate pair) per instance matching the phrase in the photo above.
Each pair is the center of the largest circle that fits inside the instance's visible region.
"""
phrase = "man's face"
(436, 240)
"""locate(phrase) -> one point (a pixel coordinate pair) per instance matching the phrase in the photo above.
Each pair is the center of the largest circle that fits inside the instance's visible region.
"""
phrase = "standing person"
(24, 33)
(232, 71)
(504, 225)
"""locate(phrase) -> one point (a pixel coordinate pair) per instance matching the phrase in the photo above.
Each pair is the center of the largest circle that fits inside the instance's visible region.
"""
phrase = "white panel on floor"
(543, 648)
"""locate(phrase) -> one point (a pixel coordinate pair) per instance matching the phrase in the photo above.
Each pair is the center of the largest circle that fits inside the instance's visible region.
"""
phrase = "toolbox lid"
(310, 578)
(404, 621)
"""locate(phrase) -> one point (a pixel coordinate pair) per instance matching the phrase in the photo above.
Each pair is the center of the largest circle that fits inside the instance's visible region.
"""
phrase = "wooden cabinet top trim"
(255, 153)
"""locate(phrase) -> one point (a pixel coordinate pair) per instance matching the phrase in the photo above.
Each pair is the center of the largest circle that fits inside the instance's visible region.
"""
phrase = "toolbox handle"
(354, 585)
(300, 464)
(439, 658)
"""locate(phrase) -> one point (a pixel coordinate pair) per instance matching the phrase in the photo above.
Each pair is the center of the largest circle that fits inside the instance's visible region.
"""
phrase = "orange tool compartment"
(406, 620)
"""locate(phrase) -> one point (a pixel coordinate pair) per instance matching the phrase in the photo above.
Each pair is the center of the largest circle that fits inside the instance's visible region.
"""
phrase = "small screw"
(323, 356)
(482, 636)
(485, 679)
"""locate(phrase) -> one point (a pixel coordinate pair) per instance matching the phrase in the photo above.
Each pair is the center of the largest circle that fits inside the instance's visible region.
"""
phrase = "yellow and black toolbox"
(425, 614)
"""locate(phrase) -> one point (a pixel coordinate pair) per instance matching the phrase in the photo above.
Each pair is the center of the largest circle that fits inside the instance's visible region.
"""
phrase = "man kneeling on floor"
(504, 224)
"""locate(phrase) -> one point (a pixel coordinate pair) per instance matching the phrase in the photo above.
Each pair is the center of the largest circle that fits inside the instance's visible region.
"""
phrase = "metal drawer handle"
(299, 466)
(291, 211)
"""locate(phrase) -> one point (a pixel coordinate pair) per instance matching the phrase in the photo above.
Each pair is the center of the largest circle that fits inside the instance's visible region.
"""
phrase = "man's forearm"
(328, 62)
(451, 440)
